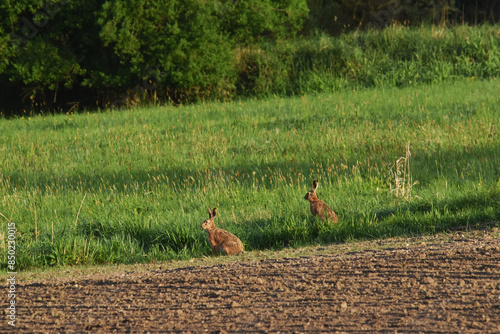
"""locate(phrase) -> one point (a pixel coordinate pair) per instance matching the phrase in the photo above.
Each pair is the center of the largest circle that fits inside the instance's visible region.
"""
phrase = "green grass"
(149, 174)
(396, 56)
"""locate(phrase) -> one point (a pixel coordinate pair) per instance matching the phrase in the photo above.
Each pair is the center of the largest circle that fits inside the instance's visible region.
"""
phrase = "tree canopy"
(61, 54)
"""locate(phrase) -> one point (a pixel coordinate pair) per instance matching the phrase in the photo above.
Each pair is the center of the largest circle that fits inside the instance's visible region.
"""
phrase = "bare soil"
(450, 286)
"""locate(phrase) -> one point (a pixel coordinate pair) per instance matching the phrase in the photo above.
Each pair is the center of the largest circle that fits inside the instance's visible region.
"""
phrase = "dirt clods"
(439, 288)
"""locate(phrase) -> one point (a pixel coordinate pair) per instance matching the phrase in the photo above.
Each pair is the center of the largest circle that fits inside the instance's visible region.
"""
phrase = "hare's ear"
(315, 185)
(214, 212)
(210, 213)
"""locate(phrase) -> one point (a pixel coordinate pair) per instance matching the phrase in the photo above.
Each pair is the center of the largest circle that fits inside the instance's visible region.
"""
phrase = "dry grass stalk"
(401, 180)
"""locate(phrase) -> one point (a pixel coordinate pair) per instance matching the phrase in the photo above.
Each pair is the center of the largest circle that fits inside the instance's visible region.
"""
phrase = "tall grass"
(393, 57)
(133, 186)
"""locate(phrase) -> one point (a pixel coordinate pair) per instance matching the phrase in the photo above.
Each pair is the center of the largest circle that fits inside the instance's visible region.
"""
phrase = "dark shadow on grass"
(474, 211)
(471, 201)
(423, 164)
(471, 211)
(281, 232)
(147, 238)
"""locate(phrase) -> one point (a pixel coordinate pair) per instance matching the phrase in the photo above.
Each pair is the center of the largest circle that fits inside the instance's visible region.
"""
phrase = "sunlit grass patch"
(143, 178)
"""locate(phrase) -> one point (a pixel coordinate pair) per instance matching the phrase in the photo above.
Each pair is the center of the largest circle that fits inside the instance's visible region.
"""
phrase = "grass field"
(134, 186)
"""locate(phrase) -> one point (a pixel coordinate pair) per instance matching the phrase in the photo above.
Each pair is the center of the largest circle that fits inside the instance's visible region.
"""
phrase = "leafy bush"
(117, 52)
(61, 56)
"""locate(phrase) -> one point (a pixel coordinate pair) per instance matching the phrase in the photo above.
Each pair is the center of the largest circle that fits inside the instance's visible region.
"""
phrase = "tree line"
(66, 55)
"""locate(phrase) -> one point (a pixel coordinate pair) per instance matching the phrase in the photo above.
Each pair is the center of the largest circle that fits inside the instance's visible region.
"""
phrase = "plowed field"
(436, 287)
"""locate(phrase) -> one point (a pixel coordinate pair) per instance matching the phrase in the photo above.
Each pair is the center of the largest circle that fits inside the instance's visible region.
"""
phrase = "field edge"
(486, 231)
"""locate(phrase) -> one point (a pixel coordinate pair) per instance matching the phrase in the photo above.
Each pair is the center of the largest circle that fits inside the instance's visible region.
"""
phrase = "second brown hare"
(219, 239)
(318, 207)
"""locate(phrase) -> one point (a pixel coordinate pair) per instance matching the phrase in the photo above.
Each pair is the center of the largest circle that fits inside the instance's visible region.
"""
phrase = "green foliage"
(147, 175)
(340, 16)
(58, 56)
(391, 57)
(248, 22)
(94, 52)
(41, 65)
(179, 38)
(47, 54)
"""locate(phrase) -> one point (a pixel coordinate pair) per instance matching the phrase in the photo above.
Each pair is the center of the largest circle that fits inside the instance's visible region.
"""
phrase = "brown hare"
(219, 239)
(318, 207)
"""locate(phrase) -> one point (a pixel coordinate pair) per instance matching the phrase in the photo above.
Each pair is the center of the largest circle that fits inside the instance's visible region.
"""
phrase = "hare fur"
(219, 239)
(318, 207)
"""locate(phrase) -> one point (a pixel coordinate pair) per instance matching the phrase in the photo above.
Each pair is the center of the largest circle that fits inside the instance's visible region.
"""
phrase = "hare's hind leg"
(216, 250)
(231, 247)
(223, 249)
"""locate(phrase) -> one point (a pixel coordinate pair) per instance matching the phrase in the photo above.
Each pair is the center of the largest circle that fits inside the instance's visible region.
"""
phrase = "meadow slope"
(133, 185)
